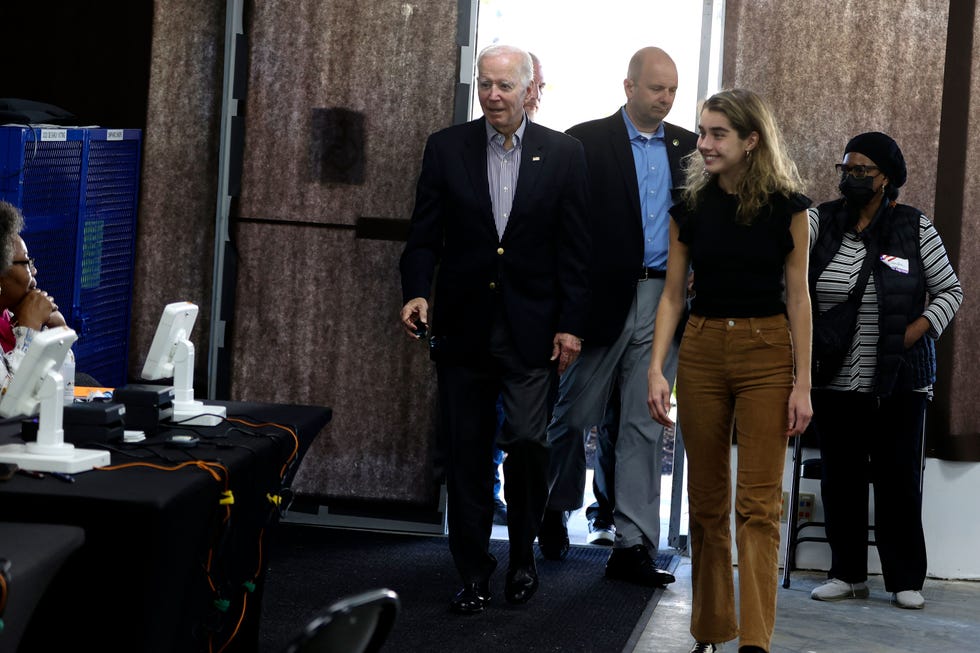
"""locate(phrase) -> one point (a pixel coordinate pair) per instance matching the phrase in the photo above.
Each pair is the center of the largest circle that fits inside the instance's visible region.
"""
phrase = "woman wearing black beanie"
(869, 410)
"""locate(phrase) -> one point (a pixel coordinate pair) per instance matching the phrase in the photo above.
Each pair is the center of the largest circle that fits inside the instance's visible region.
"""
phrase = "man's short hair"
(525, 71)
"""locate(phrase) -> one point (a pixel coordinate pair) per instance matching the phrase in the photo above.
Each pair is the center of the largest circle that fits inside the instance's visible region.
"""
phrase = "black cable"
(129, 448)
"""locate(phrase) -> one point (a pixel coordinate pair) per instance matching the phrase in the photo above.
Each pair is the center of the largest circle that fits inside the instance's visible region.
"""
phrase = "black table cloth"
(172, 559)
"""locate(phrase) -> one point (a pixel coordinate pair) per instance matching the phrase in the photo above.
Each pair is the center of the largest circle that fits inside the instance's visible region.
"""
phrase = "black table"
(167, 564)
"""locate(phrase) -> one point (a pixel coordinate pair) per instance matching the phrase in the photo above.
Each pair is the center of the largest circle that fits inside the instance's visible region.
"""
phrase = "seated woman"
(24, 309)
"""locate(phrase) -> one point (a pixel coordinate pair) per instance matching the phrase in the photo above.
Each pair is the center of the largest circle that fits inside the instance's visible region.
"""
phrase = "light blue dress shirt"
(653, 178)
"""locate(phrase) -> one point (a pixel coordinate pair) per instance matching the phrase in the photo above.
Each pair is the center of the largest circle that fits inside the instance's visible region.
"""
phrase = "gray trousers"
(583, 394)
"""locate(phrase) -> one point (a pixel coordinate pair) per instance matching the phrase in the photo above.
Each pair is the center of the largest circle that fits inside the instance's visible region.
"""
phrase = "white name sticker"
(114, 134)
(896, 263)
(54, 134)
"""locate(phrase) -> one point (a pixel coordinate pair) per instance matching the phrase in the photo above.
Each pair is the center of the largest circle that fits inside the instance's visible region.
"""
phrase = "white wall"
(951, 518)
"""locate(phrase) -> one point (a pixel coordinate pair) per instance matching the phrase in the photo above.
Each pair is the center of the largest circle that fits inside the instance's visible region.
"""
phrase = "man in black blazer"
(635, 162)
(500, 208)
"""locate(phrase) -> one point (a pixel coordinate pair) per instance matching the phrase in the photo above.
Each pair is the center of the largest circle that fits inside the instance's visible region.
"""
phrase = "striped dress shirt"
(502, 168)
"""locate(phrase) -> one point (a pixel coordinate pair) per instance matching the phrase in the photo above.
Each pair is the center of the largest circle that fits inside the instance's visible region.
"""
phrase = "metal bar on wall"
(709, 63)
(234, 29)
(467, 17)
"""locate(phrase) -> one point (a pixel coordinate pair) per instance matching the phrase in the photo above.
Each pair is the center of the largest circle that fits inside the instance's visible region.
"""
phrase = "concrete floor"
(949, 622)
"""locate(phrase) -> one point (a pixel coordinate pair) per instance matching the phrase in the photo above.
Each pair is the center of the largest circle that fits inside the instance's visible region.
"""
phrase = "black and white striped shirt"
(839, 277)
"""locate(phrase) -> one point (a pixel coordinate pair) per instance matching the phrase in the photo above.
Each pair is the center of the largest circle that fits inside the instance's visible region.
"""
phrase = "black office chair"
(355, 624)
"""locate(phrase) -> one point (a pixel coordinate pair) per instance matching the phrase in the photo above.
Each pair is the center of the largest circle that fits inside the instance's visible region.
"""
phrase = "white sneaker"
(838, 590)
(601, 532)
(909, 599)
(704, 647)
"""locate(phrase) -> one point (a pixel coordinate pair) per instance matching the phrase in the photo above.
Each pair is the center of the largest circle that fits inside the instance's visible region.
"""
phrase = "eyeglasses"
(29, 262)
(858, 172)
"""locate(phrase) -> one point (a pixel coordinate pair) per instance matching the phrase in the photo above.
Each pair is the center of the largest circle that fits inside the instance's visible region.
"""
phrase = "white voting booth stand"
(39, 389)
(172, 354)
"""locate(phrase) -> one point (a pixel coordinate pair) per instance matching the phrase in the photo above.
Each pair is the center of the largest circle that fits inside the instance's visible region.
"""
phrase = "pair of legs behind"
(553, 538)
(866, 439)
(499, 506)
(734, 371)
(583, 396)
(600, 513)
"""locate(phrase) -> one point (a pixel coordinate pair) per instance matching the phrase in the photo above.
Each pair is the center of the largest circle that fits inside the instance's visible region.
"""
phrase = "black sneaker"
(553, 535)
(635, 565)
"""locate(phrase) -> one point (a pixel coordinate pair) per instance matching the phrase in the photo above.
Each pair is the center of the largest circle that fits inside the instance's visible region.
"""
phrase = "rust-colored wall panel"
(175, 235)
(393, 62)
(322, 302)
(317, 324)
(834, 70)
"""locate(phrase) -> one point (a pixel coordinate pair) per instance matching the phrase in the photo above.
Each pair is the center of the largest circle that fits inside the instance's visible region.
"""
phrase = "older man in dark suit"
(500, 208)
(635, 162)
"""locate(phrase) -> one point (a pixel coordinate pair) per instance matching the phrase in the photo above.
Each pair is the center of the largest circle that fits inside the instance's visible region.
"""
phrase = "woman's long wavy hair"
(769, 169)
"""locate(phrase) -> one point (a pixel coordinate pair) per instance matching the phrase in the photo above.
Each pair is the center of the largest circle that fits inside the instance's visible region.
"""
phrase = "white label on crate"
(54, 134)
(114, 134)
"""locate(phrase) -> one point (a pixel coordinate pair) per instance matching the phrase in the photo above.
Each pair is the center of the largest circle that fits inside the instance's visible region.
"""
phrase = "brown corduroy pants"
(735, 371)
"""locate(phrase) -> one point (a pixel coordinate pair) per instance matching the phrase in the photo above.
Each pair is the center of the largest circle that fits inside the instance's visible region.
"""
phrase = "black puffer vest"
(901, 297)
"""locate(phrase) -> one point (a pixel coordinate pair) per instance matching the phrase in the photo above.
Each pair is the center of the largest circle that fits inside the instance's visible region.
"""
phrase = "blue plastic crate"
(78, 189)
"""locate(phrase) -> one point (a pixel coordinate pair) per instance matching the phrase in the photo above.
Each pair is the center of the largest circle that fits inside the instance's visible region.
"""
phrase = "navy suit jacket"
(617, 227)
(538, 269)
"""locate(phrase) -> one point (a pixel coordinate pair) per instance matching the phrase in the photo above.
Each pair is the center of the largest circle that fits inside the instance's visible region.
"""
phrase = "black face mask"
(857, 192)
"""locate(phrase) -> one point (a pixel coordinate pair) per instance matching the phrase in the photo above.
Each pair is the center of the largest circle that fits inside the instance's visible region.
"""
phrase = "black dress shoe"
(553, 535)
(471, 599)
(635, 566)
(522, 583)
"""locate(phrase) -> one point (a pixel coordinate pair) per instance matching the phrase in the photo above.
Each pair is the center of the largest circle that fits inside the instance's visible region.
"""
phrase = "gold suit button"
(500, 250)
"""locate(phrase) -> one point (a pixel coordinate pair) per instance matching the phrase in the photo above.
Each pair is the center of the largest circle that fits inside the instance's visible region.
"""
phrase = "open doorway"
(584, 48)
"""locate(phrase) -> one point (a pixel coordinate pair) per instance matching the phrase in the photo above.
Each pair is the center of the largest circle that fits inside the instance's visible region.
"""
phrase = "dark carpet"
(576, 608)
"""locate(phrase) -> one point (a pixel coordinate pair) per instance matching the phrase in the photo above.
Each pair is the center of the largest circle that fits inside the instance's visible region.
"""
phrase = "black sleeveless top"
(738, 269)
